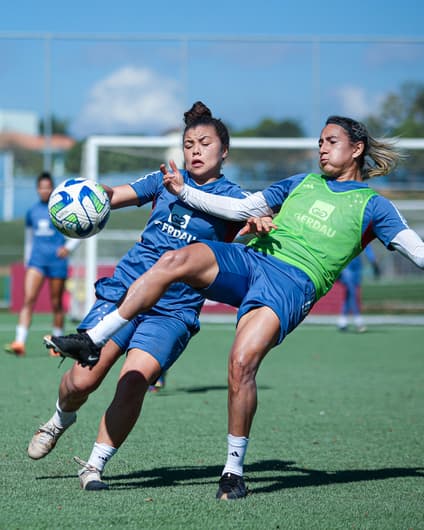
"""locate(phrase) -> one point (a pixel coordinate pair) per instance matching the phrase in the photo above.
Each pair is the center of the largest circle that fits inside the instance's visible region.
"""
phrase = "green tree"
(401, 115)
(269, 128)
(256, 168)
(58, 125)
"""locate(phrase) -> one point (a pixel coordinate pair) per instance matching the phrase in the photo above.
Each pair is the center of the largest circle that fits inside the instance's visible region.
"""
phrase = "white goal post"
(173, 148)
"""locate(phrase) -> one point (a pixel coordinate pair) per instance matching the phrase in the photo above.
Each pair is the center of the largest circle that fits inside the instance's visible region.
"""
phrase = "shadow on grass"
(191, 390)
(306, 477)
(269, 476)
(167, 392)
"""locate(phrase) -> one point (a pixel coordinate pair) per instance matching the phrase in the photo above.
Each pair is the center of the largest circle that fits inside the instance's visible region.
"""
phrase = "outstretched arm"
(410, 245)
(225, 207)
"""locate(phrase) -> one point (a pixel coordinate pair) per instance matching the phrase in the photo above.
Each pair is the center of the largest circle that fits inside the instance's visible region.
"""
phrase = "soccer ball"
(79, 207)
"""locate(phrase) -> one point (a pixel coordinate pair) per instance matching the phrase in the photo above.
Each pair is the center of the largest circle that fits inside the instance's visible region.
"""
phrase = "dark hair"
(356, 130)
(378, 157)
(45, 175)
(200, 114)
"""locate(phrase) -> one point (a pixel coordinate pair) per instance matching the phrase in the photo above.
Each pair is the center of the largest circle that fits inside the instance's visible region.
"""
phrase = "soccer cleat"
(77, 346)
(361, 329)
(90, 477)
(17, 348)
(159, 384)
(231, 487)
(45, 439)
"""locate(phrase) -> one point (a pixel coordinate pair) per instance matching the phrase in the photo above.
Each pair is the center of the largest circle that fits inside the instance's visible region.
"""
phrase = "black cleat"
(77, 346)
(231, 487)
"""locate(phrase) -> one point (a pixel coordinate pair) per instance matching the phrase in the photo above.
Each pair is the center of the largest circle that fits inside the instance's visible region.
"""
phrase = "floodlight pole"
(47, 151)
(9, 189)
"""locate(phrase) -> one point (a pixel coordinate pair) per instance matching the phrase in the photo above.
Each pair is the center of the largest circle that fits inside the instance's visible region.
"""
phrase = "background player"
(46, 254)
(351, 278)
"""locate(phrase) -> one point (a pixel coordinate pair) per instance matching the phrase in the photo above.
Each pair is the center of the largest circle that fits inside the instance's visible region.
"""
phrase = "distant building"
(20, 121)
(19, 131)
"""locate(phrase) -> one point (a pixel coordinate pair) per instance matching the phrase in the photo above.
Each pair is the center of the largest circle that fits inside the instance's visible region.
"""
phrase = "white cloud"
(131, 100)
(356, 102)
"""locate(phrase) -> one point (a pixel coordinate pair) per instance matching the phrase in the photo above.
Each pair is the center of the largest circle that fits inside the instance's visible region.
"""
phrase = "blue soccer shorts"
(249, 279)
(162, 336)
(57, 269)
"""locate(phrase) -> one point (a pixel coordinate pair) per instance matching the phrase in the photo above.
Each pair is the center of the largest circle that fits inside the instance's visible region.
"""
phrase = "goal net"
(254, 163)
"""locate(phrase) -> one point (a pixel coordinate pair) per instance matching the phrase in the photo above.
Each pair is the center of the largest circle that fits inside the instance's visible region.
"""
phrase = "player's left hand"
(62, 252)
(257, 226)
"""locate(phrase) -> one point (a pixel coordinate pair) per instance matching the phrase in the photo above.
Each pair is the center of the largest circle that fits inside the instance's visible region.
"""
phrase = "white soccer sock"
(21, 333)
(106, 328)
(57, 332)
(359, 321)
(100, 455)
(342, 322)
(62, 418)
(237, 447)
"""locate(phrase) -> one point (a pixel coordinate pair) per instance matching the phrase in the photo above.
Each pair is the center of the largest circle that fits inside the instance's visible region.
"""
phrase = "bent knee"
(175, 261)
(243, 366)
(80, 382)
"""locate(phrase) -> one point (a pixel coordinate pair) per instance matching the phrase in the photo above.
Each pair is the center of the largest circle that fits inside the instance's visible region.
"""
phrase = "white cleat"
(45, 439)
(90, 477)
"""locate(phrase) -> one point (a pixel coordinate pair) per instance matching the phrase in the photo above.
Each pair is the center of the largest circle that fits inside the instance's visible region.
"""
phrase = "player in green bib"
(322, 221)
(307, 232)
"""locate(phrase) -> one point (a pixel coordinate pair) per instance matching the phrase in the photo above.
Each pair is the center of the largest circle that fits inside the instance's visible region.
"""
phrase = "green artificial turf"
(337, 440)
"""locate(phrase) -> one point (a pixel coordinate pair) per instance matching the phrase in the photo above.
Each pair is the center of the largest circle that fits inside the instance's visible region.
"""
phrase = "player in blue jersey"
(322, 221)
(351, 278)
(156, 339)
(46, 254)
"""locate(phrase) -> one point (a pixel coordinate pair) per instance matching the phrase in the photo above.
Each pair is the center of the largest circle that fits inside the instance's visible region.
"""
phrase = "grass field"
(337, 441)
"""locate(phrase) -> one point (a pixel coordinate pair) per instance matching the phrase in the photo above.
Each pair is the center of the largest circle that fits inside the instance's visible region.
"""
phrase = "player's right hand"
(258, 226)
(172, 180)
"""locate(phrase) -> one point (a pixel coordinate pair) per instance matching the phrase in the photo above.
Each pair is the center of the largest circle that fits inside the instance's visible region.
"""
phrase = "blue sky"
(112, 85)
(218, 17)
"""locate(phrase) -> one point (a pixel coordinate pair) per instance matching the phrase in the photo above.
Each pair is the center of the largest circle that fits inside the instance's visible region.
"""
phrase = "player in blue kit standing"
(351, 278)
(322, 222)
(156, 339)
(46, 254)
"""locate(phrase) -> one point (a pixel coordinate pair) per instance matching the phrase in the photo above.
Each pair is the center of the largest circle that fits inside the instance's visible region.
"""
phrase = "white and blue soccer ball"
(79, 207)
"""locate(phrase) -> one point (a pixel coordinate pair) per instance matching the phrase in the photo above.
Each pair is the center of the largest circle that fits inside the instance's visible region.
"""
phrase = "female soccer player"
(156, 339)
(46, 256)
(322, 222)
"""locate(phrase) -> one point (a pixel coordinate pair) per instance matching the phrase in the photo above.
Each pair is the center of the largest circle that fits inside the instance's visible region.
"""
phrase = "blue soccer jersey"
(171, 225)
(45, 241)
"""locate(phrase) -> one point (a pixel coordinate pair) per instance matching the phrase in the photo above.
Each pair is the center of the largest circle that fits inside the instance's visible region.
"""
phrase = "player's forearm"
(71, 244)
(410, 245)
(226, 207)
